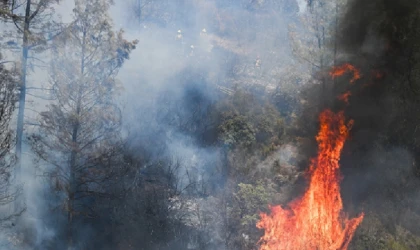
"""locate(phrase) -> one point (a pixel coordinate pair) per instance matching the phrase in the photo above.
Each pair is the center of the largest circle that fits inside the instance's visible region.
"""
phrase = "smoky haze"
(380, 160)
(219, 110)
(185, 62)
(190, 56)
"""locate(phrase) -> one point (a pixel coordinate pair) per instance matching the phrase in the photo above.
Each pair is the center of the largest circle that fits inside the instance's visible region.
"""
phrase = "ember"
(341, 70)
(345, 97)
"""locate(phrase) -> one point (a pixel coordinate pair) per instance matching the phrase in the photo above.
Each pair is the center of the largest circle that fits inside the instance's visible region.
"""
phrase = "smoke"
(192, 54)
(174, 76)
(184, 60)
(380, 161)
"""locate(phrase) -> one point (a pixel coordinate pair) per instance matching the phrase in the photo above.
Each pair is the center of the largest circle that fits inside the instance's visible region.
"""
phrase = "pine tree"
(8, 97)
(313, 39)
(34, 28)
(80, 128)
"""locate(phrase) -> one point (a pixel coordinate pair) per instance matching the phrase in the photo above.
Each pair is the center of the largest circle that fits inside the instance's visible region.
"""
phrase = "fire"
(345, 97)
(316, 221)
(378, 74)
(376, 77)
(341, 70)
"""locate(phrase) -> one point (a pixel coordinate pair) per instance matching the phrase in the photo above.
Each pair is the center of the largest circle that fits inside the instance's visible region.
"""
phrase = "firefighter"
(203, 32)
(258, 62)
(192, 50)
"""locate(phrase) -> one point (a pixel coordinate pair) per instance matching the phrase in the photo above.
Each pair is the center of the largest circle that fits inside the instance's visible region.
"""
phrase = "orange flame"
(341, 70)
(376, 77)
(378, 74)
(345, 97)
(315, 221)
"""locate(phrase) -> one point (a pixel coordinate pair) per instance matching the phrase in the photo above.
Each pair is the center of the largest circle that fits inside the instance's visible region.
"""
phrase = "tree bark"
(74, 151)
(22, 96)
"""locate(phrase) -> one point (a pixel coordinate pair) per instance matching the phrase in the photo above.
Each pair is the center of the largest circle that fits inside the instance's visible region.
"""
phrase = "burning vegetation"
(233, 125)
(316, 220)
(341, 70)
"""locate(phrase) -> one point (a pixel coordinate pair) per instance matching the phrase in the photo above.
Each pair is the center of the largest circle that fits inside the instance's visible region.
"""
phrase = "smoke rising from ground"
(192, 56)
(380, 160)
(189, 57)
